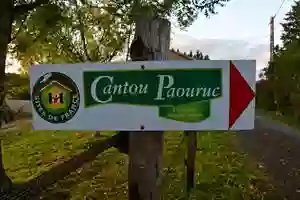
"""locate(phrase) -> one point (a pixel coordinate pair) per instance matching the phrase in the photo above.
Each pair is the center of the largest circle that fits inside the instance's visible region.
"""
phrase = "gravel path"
(277, 146)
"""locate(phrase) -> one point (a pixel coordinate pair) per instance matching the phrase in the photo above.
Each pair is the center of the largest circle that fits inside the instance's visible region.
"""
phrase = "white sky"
(240, 30)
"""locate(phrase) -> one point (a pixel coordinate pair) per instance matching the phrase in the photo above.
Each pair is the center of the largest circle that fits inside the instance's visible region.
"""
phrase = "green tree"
(76, 34)
(200, 56)
(18, 86)
(291, 25)
(283, 75)
(10, 12)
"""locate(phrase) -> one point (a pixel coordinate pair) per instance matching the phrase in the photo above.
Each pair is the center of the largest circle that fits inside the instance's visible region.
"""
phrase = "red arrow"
(241, 94)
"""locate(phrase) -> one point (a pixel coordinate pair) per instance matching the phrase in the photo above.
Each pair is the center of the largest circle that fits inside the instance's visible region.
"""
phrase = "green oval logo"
(55, 97)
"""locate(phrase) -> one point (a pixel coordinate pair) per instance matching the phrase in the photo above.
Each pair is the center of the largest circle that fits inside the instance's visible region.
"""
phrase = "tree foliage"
(18, 86)
(291, 26)
(91, 30)
(185, 11)
(69, 33)
(281, 89)
(198, 55)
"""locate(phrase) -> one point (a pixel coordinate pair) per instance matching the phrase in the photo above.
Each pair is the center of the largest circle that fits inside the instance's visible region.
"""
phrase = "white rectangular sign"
(168, 95)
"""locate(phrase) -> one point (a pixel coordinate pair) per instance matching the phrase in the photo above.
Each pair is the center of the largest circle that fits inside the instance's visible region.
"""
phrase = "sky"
(240, 30)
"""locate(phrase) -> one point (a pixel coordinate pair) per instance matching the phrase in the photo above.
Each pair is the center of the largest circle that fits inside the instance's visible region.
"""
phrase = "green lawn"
(28, 153)
(286, 119)
(222, 172)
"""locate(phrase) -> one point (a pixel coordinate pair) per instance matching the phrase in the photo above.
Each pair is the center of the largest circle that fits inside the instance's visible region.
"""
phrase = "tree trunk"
(152, 41)
(6, 11)
(6, 18)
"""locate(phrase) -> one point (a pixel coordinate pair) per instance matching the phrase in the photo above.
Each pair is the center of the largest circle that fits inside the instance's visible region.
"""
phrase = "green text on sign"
(181, 94)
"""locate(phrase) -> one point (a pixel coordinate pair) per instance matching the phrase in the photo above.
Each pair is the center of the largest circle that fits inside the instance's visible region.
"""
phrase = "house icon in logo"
(56, 96)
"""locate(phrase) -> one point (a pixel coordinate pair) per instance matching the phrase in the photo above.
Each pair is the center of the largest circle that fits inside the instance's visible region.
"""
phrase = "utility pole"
(271, 39)
(272, 67)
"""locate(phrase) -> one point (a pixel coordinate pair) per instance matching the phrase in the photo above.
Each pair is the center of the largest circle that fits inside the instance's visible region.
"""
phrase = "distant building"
(175, 55)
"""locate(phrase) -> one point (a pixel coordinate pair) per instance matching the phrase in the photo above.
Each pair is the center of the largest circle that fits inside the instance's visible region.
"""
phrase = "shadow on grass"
(34, 187)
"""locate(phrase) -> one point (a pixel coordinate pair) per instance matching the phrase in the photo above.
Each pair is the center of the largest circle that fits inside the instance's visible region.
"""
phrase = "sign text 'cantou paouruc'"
(171, 95)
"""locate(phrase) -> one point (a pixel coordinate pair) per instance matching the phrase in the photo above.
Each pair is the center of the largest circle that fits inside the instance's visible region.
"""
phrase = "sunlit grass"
(28, 153)
(221, 171)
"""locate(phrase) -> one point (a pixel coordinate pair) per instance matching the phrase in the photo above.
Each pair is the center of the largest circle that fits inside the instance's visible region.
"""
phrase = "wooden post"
(151, 42)
(191, 158)
(97, 134)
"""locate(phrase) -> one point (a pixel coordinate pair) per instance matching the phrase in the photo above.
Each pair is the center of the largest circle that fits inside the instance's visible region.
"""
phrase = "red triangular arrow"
(241, 94)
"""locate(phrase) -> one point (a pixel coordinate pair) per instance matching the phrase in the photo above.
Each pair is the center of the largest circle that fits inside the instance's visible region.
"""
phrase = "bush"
(18, 86)
(20, 93)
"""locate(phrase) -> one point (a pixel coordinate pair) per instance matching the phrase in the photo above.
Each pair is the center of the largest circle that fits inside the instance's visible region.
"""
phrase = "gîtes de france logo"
(55, 97)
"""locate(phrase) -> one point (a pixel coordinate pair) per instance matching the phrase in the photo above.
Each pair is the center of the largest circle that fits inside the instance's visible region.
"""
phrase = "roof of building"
(181, 54)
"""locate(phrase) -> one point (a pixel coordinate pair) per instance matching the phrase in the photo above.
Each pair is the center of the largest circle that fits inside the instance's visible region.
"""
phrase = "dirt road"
(277, 146)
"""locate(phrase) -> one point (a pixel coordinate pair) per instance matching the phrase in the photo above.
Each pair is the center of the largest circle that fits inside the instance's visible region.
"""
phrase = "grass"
(286, 119)
(222, 172)
(29, 153)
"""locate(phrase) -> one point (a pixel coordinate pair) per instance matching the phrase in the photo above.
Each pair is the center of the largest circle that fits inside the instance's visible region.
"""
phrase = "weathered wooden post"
(97, 134)
(151, 42)
(191, 158)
